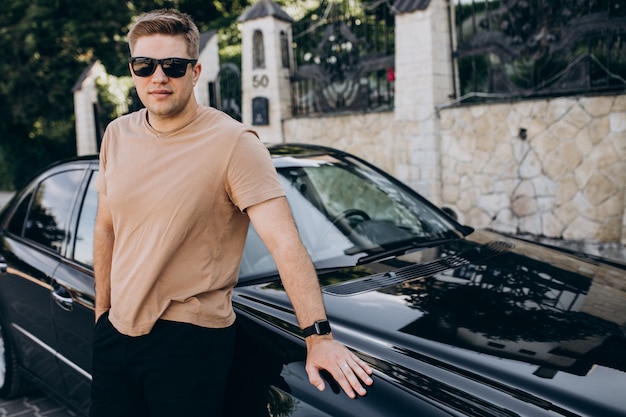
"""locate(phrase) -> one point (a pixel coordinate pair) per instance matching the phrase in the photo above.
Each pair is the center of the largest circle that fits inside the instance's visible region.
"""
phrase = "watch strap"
(320, 327)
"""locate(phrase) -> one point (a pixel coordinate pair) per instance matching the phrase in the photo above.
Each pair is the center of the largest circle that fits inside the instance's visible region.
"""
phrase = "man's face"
(166, 98)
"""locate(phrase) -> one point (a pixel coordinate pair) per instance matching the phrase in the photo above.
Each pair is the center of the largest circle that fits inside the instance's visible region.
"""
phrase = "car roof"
(277, 150)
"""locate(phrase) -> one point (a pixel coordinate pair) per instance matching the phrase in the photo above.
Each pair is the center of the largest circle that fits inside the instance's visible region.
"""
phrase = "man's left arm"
(274, 223)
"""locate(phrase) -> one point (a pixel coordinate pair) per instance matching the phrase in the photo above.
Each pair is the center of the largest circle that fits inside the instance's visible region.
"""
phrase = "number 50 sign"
(260, 81)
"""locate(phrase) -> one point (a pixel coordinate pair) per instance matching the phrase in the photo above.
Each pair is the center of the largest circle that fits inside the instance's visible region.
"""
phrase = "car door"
(35, 238)
(74, 299)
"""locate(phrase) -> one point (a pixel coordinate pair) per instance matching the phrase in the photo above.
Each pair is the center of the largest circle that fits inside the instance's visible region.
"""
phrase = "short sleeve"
(100, 183)
(251, 176)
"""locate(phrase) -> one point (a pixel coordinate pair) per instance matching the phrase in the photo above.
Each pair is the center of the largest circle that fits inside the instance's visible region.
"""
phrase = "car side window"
(83, 244)
(16, 223)
(51, 209)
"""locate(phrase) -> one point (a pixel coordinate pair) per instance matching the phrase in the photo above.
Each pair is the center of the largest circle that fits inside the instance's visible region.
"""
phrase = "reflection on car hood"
(516, 316)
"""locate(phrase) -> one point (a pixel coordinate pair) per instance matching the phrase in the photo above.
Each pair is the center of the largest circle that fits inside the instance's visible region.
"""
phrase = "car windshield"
(345, 212)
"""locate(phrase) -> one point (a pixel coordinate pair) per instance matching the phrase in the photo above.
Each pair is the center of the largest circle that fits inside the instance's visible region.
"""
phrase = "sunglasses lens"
(174, 68)
(143, 67)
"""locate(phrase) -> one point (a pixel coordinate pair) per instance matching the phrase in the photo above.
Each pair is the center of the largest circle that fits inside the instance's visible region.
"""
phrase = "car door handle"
(62, 297)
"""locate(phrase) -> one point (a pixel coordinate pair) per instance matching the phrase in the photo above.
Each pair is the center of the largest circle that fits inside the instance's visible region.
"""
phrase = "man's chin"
(163, 112)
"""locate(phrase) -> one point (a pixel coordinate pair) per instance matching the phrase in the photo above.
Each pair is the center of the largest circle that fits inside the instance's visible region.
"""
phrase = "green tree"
(44, 47)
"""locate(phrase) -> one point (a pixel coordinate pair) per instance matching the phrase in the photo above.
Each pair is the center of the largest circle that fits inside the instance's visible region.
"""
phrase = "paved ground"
(34, 405)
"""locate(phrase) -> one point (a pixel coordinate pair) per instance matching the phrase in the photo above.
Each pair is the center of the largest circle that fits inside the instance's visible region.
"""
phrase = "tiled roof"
(205, 37)
(264, 8)
(83, 76)
(408, 6)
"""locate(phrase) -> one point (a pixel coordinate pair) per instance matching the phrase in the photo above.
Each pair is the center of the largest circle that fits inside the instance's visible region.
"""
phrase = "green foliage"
(45, 45)
(4, 174)
(114, 97)
(529, 49)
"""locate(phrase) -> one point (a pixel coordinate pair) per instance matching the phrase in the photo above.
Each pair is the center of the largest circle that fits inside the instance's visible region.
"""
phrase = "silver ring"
(345, 365)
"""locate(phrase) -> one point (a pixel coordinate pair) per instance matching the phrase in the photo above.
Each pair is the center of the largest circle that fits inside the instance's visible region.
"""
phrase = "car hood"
(491, 311)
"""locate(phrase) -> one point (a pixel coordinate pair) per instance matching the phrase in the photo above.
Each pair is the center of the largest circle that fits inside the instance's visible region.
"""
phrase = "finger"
(362, 370)
(315, 378)
(349, 381)
(340, 375)
(357, 372)
(357, 376)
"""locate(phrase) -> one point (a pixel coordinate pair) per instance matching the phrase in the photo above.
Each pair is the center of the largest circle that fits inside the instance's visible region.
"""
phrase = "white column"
(210, 60)
(270, 81)
(423, 80)
(85, 97)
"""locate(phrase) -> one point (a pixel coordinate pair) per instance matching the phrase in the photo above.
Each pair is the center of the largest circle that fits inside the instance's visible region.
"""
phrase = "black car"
(454, 321)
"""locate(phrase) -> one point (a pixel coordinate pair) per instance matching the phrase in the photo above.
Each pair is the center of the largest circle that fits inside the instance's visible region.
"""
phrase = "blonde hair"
(166, 22)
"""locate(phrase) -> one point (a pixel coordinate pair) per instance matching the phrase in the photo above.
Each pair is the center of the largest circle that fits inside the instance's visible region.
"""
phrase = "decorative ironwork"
(227, 91)
(344, 59)
(541, 47)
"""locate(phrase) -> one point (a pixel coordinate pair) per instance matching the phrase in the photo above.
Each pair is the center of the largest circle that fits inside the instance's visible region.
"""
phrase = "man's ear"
(197, 69)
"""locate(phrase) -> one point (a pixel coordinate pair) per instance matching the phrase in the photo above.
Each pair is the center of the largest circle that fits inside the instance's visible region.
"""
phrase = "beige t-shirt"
(177, 201)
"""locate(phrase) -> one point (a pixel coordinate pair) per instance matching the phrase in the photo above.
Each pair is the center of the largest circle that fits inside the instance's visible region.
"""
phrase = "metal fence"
(534, 48)
(344, 53)
(513, 49)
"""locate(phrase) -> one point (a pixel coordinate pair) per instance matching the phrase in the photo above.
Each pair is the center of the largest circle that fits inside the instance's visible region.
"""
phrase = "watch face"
(322, 327)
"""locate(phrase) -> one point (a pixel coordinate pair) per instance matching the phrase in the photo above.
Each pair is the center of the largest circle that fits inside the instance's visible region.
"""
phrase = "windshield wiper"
(404, 248)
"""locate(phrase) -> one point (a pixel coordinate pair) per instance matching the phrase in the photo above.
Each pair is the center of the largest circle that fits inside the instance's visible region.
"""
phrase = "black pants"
(177, 370)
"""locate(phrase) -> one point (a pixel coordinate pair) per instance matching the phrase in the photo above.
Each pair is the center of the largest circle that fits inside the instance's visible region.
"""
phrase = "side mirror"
(451, 213)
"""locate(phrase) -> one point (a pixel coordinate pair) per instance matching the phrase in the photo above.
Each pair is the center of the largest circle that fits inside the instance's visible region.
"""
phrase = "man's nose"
(159, 74)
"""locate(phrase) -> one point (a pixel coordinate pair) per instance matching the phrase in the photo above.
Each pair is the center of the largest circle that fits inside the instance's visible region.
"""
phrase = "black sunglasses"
(172, 67)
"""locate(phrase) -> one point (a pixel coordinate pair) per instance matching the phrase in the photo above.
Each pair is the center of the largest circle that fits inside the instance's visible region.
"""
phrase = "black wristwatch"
(320, 327)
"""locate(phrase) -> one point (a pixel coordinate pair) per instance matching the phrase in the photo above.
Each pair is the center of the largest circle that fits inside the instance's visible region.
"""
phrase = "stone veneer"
(565, 178)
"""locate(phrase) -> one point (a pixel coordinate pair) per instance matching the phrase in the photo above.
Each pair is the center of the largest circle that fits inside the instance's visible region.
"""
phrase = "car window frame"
(76, 176)
(86, 166)
(91, 173)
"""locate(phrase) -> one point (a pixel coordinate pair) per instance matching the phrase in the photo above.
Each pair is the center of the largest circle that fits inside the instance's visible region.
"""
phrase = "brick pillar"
(210, 59)
(423, 80)
(266, 63)
(85, 98)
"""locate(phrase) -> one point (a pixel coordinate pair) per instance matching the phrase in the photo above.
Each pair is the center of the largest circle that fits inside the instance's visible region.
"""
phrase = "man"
(178, 185)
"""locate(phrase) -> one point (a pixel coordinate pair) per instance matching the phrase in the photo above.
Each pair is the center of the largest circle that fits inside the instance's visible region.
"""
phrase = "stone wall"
(547, 168)
(551, 168)
(405, 141)
(375, 137)
(554, 168)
